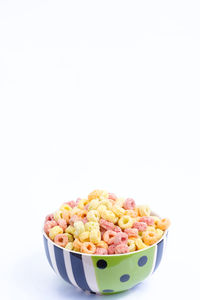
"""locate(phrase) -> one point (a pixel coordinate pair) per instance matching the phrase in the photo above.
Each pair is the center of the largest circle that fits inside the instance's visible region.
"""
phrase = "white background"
(98, 94)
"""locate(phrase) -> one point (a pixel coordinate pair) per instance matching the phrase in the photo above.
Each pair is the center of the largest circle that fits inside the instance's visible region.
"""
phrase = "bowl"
(104, 274)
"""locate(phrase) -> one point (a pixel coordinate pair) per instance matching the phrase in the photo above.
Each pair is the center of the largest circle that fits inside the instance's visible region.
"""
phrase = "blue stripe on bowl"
(47, 250)
(78, 271)
(61, 263)
(159, 254)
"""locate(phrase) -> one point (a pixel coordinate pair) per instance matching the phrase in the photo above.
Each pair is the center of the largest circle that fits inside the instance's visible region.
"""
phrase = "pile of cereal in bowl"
(104, 224)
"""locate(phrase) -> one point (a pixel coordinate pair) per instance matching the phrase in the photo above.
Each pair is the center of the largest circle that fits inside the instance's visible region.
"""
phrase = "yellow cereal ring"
(93, 215)
(70, 229)
(95, 236)
(98, 194)
(131, 245)
(125, 222)
(65, 207)
(88, 247)
(91, 225)
(84, 236)
(58, 215)
(55, 231)
(69, 246)
(139, 244)
(82, 203)
(120, 201)
(74, 211)
(101, 208)
(93, 204)
(107, 203)
(108, 216)
(144, 210)
(118, 210)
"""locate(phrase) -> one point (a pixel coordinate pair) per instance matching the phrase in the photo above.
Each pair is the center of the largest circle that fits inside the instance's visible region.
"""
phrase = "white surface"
(98, 94)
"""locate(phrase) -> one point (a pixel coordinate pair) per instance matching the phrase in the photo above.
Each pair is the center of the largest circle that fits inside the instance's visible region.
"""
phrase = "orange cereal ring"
(66, 215)
(102, 244)
(150, 237)
(61, 240)
(82, 213)
(88, 247)
(163, 224)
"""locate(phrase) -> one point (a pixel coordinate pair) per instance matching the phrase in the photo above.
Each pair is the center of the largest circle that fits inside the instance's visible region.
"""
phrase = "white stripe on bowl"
(52, 257)
(68, 268)
(90, 273)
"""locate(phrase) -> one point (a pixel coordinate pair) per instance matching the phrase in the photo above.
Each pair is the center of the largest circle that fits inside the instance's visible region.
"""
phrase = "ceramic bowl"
(104, 274)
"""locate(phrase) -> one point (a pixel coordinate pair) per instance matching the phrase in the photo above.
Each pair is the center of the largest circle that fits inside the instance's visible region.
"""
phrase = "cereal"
(148, 220)
(62, 223)
(120, 238)
(111, 249)
(121, 248)
(129, 203)
(163, 224)
(88, 248)
(101, 251)
(126, 222)
(54, 231)
(131, 232)
(112, 196)
(48, 225)
(108, 236)
(104, 224)
(141, 226)
(61, 240)
(149, 237)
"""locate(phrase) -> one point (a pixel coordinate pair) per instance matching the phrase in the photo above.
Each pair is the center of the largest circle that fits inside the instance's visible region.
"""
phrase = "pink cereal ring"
(132, 232)
(121, 248)
(106, 224)
(112, 196)
(62, 223)
(71, 203)
(141, 226)
(101, 251)
(108, 236)
(61, 240)
(148, 220)
(111, 249)
(48, 225)
(121, 238)
(49, 217)
(117, 229)
(129, 203)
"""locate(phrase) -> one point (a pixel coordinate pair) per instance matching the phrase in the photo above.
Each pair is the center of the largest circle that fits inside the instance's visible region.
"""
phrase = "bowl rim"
(107, 255)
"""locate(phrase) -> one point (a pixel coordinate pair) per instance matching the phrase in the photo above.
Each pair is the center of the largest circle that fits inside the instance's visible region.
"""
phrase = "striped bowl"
(104, 274)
